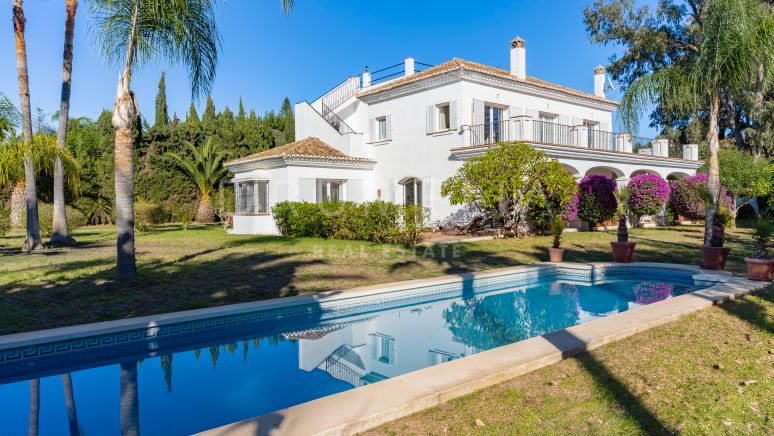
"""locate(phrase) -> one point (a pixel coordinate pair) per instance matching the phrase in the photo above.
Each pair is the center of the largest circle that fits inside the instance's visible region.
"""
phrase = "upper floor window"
(444, 117)
(252, 197)
(381, 128)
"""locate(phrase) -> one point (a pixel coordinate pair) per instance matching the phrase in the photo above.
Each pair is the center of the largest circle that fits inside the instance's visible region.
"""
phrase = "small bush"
(5, 220)
(75, 219)
(184, 214)
(376, 221)
(149, 214)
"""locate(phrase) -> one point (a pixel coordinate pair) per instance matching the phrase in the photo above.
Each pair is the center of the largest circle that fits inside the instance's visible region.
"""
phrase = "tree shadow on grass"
(752, 312)
(605, 380)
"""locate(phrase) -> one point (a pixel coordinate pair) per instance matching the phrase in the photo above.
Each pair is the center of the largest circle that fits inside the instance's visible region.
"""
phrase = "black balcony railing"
(335, 121)
(551, 133)
(489, 133)
(600, 140)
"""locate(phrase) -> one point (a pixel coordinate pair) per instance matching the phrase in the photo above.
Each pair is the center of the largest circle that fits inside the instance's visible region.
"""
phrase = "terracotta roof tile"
(306, 148)
(461, 64)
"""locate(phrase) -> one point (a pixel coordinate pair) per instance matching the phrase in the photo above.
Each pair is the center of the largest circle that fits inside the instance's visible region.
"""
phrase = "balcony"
(526, 129)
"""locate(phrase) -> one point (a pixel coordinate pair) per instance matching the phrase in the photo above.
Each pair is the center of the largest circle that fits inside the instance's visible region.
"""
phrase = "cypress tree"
(241, 114)
(162, 116)
(193, 116)
(175, 121)
(209, 123)
(289, 122)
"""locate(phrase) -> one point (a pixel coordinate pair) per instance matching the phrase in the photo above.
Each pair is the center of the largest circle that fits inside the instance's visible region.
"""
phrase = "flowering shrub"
(648, 193)
(686, 201)
(596, 199)
(571, 212)
(649, 292)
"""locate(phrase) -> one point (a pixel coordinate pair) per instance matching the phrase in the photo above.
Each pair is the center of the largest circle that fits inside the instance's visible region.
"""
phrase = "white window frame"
(380, 122)
(260, 191)
(379, 352)
(416, 184)
(493, 130)
(326, 183)
(439, 110)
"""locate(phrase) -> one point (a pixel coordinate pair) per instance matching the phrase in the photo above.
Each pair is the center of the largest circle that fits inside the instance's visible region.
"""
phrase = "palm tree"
(206, 170)
(60, 233)
(137, 32)
(32, 240)
(41, 153)
(9, 122)
(735, 41)
(34, 416)
(72, 414)
(129, 400)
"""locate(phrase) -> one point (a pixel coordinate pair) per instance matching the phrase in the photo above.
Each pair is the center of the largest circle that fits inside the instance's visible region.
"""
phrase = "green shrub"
(75, 219)
(5, 220)
(376, 221)
(184, 214)
(149, 214)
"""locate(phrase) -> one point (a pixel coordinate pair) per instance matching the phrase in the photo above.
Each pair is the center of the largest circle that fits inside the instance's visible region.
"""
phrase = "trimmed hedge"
(376, 221)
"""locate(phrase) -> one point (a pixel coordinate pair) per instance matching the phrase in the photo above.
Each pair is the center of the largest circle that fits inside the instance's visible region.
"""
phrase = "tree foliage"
(506, 181)
(744, 175)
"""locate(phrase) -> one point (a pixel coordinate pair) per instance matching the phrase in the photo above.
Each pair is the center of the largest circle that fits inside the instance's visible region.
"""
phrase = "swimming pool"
(189, 376)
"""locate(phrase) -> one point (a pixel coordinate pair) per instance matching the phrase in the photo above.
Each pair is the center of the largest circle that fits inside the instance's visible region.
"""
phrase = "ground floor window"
(252, 197)
(412, 191)
(330, 190)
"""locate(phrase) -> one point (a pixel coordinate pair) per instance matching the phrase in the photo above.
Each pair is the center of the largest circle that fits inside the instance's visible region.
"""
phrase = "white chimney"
(518, 58)
(599, 81)
(366, 78)
(409, 66)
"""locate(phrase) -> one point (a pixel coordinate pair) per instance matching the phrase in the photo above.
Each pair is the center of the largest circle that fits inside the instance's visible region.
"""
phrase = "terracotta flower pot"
(760, 269)
(555, 254)
(623, 252)
(714, 257)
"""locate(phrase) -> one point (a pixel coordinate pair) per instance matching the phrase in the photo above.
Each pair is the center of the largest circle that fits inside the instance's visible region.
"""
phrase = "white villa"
(397, 137)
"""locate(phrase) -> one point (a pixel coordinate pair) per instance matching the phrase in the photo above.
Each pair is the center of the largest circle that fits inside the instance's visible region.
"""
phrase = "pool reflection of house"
(404, 340)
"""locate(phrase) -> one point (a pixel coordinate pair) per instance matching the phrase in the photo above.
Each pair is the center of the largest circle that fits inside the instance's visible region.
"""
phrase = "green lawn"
(709, 373)
(204, 266)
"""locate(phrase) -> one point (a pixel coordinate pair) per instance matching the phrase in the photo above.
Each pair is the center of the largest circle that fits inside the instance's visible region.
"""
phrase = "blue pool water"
(228, 373)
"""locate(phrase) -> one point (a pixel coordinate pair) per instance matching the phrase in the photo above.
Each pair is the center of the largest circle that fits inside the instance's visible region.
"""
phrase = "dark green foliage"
(376, 221)
(75, 219)
(162, 116)
(5, 220)
(149, 214)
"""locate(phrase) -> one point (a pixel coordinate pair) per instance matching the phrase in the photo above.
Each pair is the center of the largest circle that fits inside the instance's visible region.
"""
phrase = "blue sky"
(266, 56)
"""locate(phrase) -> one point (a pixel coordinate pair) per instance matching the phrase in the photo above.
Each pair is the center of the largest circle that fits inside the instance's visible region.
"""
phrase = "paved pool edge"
(360, 409)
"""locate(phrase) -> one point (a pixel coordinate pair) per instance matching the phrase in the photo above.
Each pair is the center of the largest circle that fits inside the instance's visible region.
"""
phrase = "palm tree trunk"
(713, 171)
(34, 418)
(32, 241)
(205, 213)
(17, 204)
(72, 415)
(130, 401)
(60, 233)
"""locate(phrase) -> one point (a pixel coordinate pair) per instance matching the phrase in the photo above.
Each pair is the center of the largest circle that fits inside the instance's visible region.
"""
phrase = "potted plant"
(623, 250)
(555, 251)
(761, 266)
(714, 255)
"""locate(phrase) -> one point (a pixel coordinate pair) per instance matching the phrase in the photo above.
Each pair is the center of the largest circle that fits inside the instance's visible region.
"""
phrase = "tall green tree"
(209, 117)
(60, 233)
(288, 120)
(206, 169)
(133, 33)
(193, 116)
(162, 115)
(32, 239)
(735, 42)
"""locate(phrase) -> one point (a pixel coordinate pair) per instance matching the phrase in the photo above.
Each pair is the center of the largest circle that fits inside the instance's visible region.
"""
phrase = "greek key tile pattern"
(302, 314)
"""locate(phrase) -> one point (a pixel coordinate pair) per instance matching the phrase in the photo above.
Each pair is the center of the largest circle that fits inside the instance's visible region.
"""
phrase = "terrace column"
(523, 128)
(661, 148)
(623, 142)
(580, 136)
(691, 152)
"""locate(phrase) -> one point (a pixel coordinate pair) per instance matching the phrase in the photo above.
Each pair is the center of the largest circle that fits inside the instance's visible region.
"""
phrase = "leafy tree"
(206, 169)
(733, 44)
(60, 233)
(162, 114)
(744, 175)
(134, 33)
(505, 181)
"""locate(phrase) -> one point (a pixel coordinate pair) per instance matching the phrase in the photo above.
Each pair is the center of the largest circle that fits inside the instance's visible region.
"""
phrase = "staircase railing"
(341, 93)
(335, 121)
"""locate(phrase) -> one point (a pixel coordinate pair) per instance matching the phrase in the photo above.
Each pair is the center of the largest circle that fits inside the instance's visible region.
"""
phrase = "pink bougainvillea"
(650, 292)
(596, 199)
(686, 201)
(648, 193)
(571, 212)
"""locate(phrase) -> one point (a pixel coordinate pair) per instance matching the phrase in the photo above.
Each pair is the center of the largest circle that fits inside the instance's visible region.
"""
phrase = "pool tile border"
(363, 408)
(18, 348)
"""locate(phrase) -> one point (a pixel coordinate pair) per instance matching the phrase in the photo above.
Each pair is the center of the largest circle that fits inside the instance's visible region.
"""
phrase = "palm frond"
(205, 166)
(43, 152)
(9, 117)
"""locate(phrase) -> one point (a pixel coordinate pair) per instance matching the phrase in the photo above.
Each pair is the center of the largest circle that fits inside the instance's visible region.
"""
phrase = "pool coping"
(369, 406)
